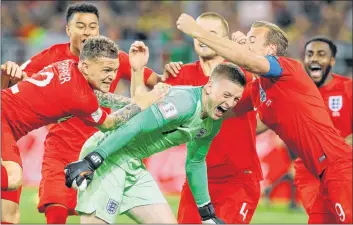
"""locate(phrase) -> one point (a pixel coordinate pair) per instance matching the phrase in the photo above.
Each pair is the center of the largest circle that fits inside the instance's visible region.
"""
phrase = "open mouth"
(220, 110)
(315, 70)
(83, 41)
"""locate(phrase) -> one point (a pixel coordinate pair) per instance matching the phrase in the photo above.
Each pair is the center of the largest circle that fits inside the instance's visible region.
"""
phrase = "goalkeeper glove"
(208, 214)
(79, 174)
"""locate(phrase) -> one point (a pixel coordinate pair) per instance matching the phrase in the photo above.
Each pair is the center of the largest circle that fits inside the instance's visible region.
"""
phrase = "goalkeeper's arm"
(196, 172)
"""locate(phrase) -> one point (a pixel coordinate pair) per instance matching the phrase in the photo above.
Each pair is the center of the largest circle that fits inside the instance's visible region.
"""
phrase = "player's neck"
(328, 80)
(74, 50)
(208, 65)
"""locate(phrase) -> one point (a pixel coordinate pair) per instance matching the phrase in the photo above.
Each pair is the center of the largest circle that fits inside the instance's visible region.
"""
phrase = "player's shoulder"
(345, 81)
(188, 67)
(57, 48)
(186, 94)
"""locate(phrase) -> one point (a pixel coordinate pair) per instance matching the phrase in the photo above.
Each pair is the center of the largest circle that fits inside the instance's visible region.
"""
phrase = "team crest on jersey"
(262, 94)
(201, 133)
(97, 115)
(112, 206)
(335, 104)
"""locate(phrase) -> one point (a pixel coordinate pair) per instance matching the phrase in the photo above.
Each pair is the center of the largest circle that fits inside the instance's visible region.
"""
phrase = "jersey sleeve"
(87, 109)
(276, 68)
(38, 62)
(125, 67)
(196, 169)
(245, 103)
(195, 165)
(174, 110)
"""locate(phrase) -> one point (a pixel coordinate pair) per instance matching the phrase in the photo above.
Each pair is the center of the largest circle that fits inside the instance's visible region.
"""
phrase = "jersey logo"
(112, 206)
(97, 115)
(167, 109)
(262, 94)
(201, 133)
(335, 104)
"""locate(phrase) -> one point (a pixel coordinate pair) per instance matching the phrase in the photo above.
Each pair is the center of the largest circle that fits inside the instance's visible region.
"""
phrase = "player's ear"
(332, 61)
(208, 87)
(67, 28)
(272, 50)
(83, 68)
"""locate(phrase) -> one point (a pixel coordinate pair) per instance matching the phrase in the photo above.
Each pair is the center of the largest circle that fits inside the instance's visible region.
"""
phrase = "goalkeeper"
(122, 184)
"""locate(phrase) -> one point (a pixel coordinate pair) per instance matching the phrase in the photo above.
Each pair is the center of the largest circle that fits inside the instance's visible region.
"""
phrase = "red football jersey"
(233, 150)
(337, 97)
(73, 132)
(293, 107)
(57, 91)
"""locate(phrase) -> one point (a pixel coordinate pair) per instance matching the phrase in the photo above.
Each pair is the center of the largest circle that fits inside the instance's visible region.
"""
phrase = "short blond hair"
(213, 15)
(274, 36)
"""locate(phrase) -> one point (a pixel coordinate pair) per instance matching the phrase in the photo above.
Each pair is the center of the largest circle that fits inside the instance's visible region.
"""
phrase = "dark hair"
(330, 43)
(214, 15)
(81, 8)
(99, 47)
(229, 71)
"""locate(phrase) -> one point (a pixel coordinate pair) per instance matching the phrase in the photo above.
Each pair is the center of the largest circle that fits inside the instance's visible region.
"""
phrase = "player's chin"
(104, 87)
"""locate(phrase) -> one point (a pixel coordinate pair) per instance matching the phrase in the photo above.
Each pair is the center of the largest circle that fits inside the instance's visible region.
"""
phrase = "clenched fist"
(188, 25)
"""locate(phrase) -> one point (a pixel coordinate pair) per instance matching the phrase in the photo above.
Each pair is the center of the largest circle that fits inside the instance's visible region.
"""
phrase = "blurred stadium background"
(28, 27)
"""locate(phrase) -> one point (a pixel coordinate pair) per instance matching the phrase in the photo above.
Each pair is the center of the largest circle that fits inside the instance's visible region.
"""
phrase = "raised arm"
(236, 53)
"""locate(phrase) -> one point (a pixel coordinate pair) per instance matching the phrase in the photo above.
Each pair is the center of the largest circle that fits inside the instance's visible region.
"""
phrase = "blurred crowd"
(30, 26)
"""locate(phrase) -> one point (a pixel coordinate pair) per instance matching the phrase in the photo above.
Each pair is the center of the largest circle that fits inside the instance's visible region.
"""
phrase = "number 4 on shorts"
(243, 212)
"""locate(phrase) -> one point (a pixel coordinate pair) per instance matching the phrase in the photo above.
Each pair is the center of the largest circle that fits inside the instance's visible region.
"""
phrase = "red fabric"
(52, 187)
(4, 178)
(56, 214)
(13, 196)
(61, 91)
(335, 195)
(306, 183)
(234, 202)
(292, 106)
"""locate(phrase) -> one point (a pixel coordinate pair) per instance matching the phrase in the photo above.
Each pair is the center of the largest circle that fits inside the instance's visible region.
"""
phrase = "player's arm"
(235, 52)
(196, 173)
(173, 111)
(260, 126)
(110, 100)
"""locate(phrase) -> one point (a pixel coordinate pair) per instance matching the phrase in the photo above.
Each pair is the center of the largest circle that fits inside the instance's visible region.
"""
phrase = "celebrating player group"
(240, 86)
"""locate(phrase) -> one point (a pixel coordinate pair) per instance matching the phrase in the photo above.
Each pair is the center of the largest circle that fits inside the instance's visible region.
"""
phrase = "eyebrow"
(78, 22)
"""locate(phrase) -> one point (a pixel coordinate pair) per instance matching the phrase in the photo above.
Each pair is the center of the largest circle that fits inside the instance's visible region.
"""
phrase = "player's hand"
(240, 38)
(208, 215)
(13, 70)
(171, 68)
(146, 99)
(188, 25)
(138, 55)
(79, 174)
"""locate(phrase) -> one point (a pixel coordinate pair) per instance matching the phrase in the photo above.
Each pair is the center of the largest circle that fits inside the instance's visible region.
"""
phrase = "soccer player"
(336, 91)
(64, 140)
(233, 167)
(67, 87)
(121, 184)
(289, 103)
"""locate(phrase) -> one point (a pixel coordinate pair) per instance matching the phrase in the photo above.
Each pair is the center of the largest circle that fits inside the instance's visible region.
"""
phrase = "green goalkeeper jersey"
(172, 121)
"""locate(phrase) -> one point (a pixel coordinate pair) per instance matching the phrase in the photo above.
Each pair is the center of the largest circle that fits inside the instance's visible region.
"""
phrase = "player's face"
(100, 73)
(215, 27)
(222, 95)
(257, 40)
(80, 27)
(318, 61)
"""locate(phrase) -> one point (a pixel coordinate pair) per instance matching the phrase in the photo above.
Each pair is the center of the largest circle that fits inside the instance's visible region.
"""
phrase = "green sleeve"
(196, 170)
(174, 110)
